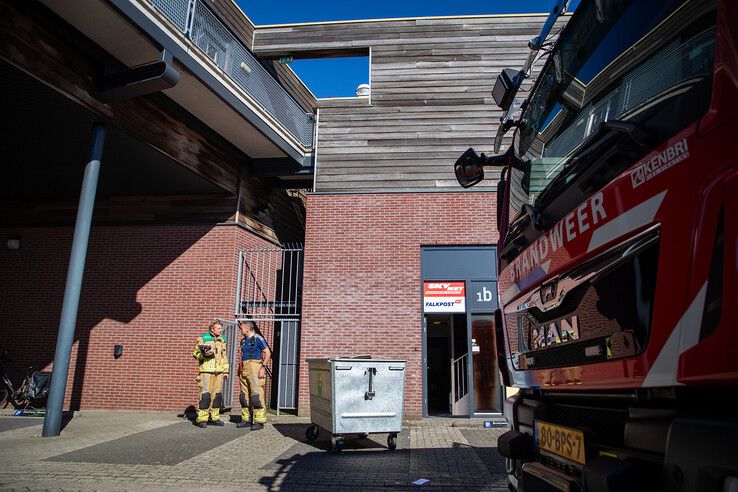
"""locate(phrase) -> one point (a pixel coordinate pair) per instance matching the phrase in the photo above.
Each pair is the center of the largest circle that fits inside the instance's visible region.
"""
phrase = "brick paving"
(144, 450)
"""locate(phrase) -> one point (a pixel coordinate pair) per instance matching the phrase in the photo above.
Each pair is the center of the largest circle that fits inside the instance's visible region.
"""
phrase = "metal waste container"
(356, 395)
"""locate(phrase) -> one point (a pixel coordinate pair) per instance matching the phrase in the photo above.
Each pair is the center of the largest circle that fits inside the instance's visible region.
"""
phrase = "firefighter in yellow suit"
(210, 351)
(255, 356)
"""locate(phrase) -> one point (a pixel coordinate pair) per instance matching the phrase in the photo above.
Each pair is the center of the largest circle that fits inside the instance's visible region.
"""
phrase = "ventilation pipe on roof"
(363, 90)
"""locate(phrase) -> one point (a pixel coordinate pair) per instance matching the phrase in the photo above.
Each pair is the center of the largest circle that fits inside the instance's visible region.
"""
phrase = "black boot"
(217, 423)
(243, 423)
(201, 425)
(257, 426)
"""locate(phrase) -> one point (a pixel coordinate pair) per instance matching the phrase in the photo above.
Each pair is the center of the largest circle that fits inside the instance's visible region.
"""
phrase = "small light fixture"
(245, 68)
(14, 242)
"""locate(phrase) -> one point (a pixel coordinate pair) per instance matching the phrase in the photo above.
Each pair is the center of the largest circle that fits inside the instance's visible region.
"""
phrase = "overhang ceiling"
(46, 144)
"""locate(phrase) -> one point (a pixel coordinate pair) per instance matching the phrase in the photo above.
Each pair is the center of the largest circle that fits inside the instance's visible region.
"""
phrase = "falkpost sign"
(444, 297)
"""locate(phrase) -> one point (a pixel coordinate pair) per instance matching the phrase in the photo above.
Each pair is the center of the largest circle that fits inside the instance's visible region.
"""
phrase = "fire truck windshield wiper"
(587, 150)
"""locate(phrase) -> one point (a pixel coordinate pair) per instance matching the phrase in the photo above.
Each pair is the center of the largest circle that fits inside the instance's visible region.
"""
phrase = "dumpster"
(356, 396)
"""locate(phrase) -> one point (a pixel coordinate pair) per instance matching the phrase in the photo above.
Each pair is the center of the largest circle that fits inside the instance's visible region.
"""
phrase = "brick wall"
(151, 288)
(361, 290)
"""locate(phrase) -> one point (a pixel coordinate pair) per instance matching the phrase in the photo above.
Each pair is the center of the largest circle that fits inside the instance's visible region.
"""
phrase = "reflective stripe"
(684, 336)
(628, 221)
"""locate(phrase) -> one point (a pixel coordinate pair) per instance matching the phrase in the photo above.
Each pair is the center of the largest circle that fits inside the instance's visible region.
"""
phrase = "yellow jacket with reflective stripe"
(215, 363)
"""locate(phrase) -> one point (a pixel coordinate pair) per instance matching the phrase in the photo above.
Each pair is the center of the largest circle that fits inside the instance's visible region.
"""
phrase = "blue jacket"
(251, 348)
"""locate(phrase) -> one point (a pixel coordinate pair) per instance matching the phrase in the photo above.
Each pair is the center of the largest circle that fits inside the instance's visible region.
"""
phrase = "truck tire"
(312, 433)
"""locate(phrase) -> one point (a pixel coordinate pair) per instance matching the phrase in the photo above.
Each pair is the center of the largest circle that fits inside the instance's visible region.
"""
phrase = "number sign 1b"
(482, 296)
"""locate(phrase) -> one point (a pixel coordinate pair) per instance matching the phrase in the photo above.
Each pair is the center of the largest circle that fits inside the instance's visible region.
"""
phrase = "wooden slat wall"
(212, 208)
(269, 209)
(235, 19)
(431, 81)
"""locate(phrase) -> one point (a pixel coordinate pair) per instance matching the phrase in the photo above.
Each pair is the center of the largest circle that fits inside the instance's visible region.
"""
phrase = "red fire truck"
(618, 258)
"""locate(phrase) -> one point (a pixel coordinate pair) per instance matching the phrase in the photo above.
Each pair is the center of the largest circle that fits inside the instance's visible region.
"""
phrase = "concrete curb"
(440, 422)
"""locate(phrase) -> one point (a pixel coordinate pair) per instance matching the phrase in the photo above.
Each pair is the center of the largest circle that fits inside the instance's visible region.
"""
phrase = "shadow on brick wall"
(126, 272)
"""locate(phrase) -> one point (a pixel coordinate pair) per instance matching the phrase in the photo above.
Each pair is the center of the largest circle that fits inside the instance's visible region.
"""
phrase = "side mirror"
(506, 86)
(468, 168)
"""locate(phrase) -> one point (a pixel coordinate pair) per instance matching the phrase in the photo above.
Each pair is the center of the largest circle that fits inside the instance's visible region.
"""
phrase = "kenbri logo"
(659, 163)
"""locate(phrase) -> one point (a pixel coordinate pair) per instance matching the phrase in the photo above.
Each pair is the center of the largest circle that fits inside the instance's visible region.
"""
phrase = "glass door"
(487, 390)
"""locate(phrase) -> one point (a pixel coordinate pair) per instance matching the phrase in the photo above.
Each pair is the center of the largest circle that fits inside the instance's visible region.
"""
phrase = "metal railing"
(269, 284)
(201, 25)
(230, 332)
(460, 378)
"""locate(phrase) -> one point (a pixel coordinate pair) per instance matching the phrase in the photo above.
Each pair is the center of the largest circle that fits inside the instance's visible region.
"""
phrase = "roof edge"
(391, 19)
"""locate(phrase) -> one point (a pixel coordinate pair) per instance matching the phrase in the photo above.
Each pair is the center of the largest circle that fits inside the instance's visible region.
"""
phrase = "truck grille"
(604, 318)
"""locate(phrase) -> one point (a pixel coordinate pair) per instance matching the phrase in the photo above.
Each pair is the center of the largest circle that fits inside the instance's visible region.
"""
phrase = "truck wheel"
(392, 441)
(312, 433)
(338, 443)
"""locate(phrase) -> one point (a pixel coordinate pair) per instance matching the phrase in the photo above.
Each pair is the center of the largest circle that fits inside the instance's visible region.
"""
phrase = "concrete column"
(65, 339)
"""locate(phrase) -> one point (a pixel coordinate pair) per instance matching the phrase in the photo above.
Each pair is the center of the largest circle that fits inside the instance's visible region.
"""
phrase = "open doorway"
(447, 369)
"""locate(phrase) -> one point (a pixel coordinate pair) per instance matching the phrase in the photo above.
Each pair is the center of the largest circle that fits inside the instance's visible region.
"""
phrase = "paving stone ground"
(147, 450)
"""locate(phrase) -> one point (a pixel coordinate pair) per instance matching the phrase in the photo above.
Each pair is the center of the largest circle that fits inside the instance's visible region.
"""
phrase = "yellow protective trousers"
(252, 398)
(211, 396)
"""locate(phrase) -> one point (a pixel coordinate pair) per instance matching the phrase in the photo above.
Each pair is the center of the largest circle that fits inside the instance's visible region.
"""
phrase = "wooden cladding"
(232, 16)
(430, 96)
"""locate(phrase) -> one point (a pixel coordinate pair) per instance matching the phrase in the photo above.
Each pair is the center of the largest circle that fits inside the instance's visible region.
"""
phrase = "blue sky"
(338, 77)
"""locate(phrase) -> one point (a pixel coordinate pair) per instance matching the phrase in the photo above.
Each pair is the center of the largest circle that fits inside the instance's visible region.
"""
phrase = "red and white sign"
(444, 297)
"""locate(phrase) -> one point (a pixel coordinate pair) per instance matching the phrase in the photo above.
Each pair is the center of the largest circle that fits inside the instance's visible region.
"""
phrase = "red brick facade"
(151, 288)
(362, 284)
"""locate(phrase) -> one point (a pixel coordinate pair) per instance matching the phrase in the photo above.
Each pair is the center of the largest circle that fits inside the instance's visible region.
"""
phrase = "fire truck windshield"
(627, 61)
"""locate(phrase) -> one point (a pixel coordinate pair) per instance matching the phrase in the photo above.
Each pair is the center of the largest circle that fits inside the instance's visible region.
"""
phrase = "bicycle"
(33, 390)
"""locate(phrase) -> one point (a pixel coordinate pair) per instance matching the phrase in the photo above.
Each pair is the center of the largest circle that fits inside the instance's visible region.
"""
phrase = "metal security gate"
(230, 332)
(269, 292)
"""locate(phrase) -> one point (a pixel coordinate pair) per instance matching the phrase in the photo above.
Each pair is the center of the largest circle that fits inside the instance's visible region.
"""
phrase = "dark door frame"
(467, 279)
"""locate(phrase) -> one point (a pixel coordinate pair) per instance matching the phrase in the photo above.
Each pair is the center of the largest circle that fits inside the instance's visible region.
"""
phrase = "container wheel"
(312, 432)
(392, 441)
(338, 443)
(4, 396)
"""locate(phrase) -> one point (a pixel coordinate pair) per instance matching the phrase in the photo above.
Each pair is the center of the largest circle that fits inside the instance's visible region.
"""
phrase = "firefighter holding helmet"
(255, 356)
(210, 351)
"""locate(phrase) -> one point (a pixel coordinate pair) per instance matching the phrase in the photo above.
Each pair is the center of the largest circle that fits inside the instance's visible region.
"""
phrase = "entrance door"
(448, 365)
(438, 329)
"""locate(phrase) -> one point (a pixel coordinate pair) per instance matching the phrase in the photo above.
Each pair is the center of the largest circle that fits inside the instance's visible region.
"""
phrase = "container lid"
(359, 358)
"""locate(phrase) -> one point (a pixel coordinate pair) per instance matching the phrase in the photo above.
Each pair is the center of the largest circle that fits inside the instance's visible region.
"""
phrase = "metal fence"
(230, 332)
(270, 283)
(200, 24)
(269, 291)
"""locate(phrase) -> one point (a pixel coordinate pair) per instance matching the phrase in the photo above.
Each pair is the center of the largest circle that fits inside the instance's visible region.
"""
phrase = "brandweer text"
(578, 221)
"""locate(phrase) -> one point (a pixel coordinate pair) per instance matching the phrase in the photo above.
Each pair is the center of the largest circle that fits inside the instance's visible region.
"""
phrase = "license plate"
(561, 441)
